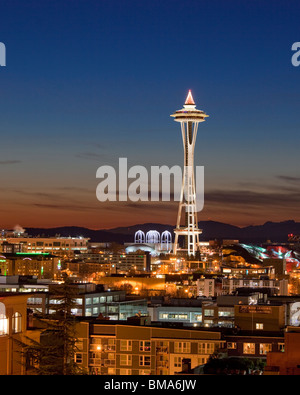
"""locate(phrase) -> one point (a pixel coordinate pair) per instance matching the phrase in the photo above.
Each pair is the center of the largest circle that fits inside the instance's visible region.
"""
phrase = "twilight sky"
(88, 82)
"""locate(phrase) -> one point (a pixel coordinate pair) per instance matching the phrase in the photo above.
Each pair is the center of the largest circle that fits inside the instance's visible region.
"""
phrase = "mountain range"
(273, 231)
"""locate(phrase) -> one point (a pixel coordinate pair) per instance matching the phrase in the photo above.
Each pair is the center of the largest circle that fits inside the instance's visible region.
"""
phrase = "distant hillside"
(130, 230)
(75, 231)
(274, 231)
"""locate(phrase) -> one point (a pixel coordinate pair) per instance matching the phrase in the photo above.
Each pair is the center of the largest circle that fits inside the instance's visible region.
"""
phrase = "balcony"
(95, 361)
(102, 362)
(109, 362)
(163, 350)
(162, 364)
(102, 348)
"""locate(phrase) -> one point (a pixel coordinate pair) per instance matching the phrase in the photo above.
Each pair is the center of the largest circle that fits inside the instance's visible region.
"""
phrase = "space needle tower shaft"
(189, 118)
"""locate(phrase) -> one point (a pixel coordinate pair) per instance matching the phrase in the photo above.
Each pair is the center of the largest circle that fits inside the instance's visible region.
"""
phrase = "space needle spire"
(189, 118)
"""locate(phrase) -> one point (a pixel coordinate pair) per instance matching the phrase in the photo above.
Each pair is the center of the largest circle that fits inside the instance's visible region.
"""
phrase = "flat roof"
(27, 254)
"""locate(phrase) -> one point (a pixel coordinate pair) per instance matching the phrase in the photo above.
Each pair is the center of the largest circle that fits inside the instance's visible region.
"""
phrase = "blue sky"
(87, 82)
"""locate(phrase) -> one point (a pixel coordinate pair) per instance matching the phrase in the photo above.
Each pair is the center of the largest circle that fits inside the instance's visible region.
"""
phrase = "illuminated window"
(17, 323)
(125, 372)
(34, 301)
(202, 360)
(225, 314)
(88, 312)
(201, 348)
(206, 348)
(259, 326)
(145, 345)
(231, 346)
(163, 316)
(210, 348)
(249, 348)
(79, 344)
(264, 348)
(184, 347)
(78, 357)
(3, 325)
(125, 345)
(178, 362)
(145, 360)
(125, 360)
(182, 316)
(209, 313)
(111, 345)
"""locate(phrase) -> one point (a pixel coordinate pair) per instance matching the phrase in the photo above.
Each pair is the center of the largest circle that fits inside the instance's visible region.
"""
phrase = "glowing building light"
(189, 99)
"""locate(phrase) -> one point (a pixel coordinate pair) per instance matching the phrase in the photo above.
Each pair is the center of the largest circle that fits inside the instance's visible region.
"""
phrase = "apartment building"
(41, 264)
(206, 287)
(136, 262)
(110, 263)
(141, 350)
(253, 345)
(279, 287)
(123, 263)
(62, 246)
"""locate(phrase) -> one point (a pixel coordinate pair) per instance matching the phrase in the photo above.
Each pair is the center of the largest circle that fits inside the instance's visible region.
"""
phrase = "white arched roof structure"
(153, 237)
(139, 237)
(166, 240)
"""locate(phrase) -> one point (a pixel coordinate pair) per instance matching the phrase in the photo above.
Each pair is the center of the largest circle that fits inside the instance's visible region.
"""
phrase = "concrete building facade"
(13, 329)
(141, 350)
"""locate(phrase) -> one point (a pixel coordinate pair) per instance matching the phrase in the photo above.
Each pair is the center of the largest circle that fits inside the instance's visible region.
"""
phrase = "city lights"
(149, 247)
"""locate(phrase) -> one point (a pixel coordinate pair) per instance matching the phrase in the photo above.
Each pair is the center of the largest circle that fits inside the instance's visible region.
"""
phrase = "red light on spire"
(189, 99)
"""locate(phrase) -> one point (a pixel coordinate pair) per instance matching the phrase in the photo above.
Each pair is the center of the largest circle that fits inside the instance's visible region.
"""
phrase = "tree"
(218, 364)
(54, 353)
(127, 287)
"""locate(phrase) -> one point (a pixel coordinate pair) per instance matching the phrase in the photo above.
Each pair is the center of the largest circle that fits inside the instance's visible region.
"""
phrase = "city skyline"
(87, 84)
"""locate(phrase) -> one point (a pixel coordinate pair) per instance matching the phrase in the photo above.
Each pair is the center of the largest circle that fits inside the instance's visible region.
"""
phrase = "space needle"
(189, 118)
